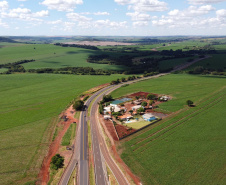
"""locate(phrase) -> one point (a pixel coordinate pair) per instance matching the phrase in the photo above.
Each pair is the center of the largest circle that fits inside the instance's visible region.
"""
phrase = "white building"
(164, 98)
(134, 108)
(113, 108)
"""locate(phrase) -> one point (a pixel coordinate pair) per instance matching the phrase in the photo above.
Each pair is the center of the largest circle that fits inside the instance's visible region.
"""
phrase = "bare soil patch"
(141, 94)
(123, 130)
(110, 127)
(101, 43)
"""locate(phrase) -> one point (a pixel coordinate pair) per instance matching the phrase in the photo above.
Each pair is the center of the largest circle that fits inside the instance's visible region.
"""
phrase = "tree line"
(77, 46)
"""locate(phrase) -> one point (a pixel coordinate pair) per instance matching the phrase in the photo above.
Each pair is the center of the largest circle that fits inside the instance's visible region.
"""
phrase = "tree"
(123, 79)
(113, 82)
(107, 98)
(131, 112)
(141, 109)
(101, 109)
(78, 105)
(137, 97)
(189, 103)
(57, 161)
(151, 97)
(144, 104)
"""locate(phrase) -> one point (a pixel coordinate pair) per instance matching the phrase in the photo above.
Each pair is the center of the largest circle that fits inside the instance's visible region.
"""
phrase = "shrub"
(151, 97)
(86, 98)
(57, 162)
(189, 103)
(78, 105)
(144, 103)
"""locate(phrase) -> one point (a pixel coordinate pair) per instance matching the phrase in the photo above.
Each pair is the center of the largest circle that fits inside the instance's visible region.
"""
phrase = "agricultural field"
(167, 64)
(180, 87)
(50, 56)
(29, 109)
(215, 62)
(188, 146)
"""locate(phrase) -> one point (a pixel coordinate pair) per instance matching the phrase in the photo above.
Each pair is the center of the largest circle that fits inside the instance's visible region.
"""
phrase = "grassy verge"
(111, 177)
(72, 180)
(69, 135)
(77, 115)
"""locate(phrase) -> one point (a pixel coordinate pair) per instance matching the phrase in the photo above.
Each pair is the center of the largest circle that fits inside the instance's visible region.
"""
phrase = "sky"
(112, 17)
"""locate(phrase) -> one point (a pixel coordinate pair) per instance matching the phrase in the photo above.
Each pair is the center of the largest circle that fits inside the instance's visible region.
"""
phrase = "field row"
(170, 126)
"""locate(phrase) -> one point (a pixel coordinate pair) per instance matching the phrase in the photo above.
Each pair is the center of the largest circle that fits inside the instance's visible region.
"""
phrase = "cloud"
(140, 23)
(221, 13)
(136, 16)
(4, 5)
(144, 5)
(25, 14)
(43, 13)
(199, 2)
(21, 0)
(123, 2)
(95, 13)
(86, 22)
(101, 13)
(77, 17)
(54, 22)
(109, 24)
(62, 5)
(191, 11)
(192, 18)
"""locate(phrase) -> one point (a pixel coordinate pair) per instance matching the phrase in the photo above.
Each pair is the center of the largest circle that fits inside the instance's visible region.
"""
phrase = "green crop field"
(215, 62)
(30, 105)
(187, 147)
(51, 56)
(180, 87)
(167, 64)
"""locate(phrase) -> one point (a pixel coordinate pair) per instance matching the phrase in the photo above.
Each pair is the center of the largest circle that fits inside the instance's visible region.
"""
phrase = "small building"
(106, 117)
(134, 108)
(149, 117)
(114, 108)
(164, 98)
(137, 102)
(126, 117)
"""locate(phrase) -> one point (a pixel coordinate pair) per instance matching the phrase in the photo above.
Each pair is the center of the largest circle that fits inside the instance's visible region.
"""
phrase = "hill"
(4, 39)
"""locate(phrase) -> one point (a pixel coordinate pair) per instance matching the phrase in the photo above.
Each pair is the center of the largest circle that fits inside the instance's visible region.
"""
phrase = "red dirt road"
(55, 145)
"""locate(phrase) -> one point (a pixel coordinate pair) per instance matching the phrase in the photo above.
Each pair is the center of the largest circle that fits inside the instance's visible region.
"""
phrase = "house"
(137, 102)
(126, 117)
(111, 108)
(134, 108)
(149, 117)
(164, 98)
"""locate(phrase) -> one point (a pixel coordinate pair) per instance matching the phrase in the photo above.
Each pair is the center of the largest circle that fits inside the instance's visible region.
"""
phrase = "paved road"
(99, 146)
(100, 152)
